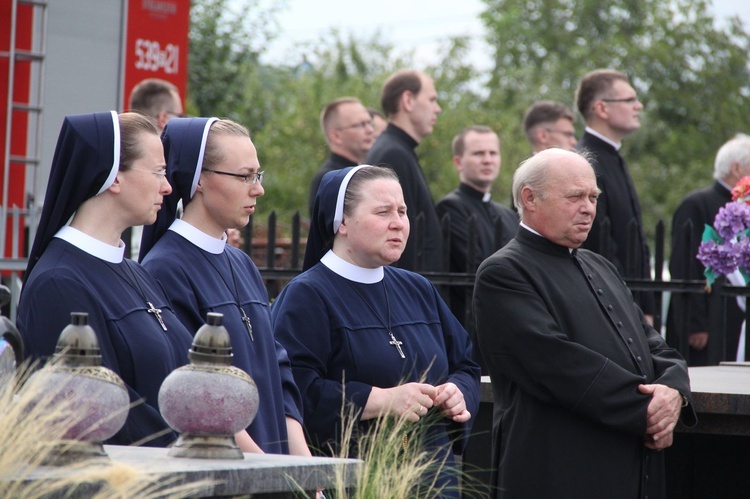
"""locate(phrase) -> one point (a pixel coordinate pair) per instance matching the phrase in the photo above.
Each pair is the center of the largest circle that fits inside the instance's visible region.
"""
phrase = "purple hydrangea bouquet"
(725, 247)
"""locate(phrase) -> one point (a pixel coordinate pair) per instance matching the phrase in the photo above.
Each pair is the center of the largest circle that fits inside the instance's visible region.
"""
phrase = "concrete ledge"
(259, 475)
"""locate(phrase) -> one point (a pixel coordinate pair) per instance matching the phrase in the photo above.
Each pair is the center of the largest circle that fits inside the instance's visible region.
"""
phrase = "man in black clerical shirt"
(409, 101)
(689, 313)
(349, 132)
(586, 392)
(476, 156)
(611, 109)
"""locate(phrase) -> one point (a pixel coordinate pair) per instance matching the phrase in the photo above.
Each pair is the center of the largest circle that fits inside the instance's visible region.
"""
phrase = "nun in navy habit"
(377, 335)
(214, 170)
(108, 173)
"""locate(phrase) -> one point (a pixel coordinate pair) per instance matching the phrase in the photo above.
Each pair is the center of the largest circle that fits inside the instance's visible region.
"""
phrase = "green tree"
(691, 74)
(226, 40)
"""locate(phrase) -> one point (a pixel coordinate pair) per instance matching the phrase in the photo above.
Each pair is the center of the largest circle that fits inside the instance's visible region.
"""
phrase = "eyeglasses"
(161, 173)
(247, 178)
(570, 135)
(626, 100)
(361, 124)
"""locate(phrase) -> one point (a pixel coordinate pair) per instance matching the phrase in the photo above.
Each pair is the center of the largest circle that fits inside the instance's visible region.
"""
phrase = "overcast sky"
(416, 25)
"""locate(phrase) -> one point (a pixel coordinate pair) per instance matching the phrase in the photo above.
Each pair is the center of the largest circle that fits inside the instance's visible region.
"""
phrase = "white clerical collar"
(593, 132)
(198, 237)
(538, 234)
(350, 271)
(486, 197)
(530, 229)
(92, 246)
(726, 186)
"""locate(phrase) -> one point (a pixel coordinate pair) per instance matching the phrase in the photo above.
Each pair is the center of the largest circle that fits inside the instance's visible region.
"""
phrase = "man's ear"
(407, 101)
(161, 119)
(542, 136)
(600, 109)
(457, 163)
(528, 199)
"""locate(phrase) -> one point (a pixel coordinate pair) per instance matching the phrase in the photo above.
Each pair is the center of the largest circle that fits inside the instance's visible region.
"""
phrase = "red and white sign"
(156, 43)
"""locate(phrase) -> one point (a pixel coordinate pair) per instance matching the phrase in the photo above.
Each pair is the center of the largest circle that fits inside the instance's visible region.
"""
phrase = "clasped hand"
(661, 415)
(413, 401)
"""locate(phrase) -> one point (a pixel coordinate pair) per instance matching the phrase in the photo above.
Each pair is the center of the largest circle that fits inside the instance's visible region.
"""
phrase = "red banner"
(156, 43)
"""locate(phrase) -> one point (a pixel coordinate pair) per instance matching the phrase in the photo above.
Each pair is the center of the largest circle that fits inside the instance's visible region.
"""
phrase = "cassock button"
(610, 307)
(639, 358)
(630, 340)
(619, 324)
(600, 291)
(589, 276)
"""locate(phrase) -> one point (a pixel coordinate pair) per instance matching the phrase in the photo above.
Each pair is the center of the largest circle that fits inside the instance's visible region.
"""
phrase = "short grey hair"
(736, 150)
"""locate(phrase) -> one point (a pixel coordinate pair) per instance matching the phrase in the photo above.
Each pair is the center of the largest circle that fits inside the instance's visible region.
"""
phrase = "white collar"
(726, 186)
(198, 237)
(538, 234)
(616, 145)
(530, 229)
(92, 246)
(486, 197)
(350, 271)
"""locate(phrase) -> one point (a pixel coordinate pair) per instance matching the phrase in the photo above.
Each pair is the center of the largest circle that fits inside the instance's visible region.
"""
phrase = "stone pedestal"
(257, 475)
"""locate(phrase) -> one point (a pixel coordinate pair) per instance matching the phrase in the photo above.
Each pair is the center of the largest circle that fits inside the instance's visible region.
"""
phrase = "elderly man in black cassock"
(586, 392)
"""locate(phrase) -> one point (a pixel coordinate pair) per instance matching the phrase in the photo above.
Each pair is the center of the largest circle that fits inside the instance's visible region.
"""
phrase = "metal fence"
(280, 260)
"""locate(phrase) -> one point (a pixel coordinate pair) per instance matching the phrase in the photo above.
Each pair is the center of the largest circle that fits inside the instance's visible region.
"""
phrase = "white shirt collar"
(92, 246)
(593, 132)
(198, 237)
(350, 271)
(727, 186)
(530, 229)
(538, 234)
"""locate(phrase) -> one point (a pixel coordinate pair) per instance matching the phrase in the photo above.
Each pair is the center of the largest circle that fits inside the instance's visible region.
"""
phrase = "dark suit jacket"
(460, 205)
(334, 162)
(619, 203)
(689, 313)
(395, 148)
(566, 349)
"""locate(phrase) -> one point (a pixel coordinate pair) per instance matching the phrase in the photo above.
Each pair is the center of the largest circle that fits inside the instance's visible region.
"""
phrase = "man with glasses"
(409, 101)
(349, 132)
(549, 124)
(611, 109)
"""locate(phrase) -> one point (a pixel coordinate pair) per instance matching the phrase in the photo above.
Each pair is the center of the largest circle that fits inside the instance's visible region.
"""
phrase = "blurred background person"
(349, 132)
(549, 124)
(159, 100)
(378, 121)
(409, 100)
(689, 313)
(612, 111)
(476, 156)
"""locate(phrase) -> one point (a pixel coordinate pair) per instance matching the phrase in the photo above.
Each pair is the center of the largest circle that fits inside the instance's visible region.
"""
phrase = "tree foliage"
(691, 74)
